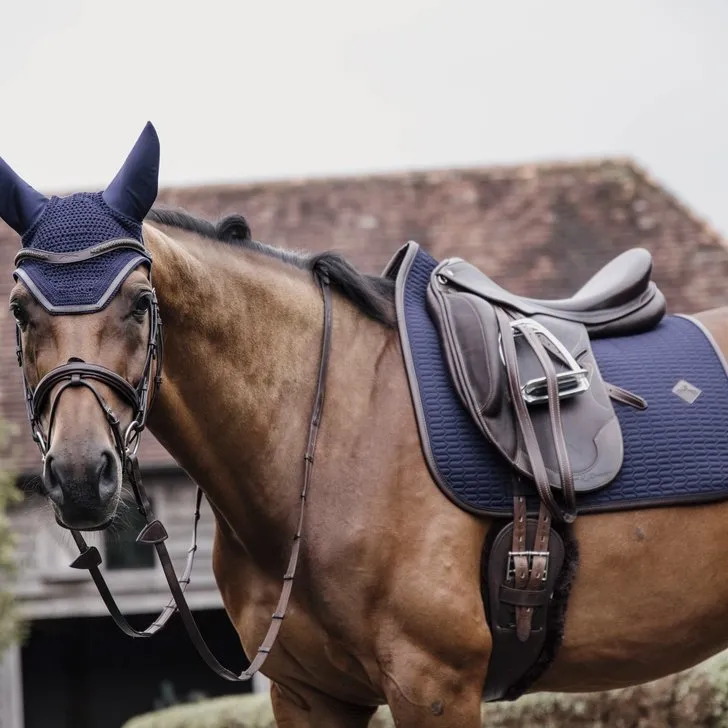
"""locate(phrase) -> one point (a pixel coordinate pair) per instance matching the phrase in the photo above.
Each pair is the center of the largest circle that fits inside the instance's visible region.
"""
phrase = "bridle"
(78, 373)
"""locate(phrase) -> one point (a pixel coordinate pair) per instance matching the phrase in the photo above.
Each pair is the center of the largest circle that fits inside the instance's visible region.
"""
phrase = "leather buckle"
(529, 556)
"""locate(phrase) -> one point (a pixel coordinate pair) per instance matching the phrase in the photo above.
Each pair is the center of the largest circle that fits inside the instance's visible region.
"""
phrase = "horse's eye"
(141, 306)
(19, 314)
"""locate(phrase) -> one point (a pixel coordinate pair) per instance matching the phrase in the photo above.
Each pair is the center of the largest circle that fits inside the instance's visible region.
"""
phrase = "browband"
(78, 256)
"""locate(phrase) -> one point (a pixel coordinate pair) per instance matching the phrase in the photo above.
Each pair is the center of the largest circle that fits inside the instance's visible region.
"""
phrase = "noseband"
(78, 373)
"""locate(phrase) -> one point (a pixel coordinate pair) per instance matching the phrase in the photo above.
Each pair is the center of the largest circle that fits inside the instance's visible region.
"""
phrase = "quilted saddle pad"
(675, 451)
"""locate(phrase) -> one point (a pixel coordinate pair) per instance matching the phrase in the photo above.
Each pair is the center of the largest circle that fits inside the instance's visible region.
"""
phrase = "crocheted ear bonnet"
(81, 221)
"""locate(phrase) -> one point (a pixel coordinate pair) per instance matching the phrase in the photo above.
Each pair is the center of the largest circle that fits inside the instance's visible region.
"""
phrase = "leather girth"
(511, 657)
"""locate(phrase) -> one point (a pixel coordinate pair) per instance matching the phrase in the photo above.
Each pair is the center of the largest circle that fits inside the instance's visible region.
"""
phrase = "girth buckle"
(529, 556)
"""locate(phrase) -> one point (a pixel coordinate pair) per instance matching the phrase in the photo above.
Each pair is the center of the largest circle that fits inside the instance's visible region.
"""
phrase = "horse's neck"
(242, 347)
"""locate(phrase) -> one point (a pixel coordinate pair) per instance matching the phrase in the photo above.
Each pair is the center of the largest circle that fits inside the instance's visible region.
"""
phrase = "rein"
(77, 373)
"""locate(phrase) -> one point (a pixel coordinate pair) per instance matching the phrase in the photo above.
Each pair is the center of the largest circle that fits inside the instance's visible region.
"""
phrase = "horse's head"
(87, 329)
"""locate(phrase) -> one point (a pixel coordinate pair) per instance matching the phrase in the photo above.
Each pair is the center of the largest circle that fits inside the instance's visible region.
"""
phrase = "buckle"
(132, 438)
(529, 555)
(570, 383)
(39, 441)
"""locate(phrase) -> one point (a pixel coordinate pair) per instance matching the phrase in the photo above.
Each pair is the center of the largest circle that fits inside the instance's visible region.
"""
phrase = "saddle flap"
(470, 339)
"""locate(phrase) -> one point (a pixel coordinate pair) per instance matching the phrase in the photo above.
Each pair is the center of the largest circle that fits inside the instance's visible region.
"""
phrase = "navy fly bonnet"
(82, 223)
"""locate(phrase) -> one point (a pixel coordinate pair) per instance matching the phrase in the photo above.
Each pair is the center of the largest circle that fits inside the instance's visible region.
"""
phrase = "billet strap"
(155, 534)
(518, 545)
(530, 572)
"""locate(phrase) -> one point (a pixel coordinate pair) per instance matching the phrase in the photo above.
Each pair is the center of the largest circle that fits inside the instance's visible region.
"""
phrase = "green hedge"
(696, 698)
(9, 621)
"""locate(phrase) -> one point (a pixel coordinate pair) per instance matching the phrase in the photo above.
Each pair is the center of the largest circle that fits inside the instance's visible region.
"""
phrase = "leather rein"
(77, 373)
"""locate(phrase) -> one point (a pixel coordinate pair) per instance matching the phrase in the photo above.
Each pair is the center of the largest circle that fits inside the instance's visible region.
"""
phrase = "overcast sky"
(243, 91)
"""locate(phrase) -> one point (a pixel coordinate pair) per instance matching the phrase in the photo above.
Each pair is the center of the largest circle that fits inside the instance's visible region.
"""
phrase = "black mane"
(372, 295)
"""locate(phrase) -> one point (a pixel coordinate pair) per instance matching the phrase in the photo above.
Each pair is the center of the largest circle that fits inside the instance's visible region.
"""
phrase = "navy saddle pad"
(675, 451)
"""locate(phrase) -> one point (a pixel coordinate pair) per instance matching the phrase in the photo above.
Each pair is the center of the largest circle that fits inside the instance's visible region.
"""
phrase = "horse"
(387, 606)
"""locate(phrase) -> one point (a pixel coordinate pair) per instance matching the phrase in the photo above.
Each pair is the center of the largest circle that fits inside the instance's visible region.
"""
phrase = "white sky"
(244, 90)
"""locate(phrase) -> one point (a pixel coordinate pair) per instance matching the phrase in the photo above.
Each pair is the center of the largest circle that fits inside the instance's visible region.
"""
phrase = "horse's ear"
(133, 191)
(20, 204)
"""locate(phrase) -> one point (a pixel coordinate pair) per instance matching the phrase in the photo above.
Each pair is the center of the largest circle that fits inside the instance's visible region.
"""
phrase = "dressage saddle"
(525, 371)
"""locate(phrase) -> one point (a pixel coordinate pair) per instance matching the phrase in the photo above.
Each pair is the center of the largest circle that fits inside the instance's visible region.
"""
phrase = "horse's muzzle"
(84, 491)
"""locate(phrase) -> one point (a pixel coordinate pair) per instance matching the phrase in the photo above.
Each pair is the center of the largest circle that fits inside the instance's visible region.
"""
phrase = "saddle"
(524, 370)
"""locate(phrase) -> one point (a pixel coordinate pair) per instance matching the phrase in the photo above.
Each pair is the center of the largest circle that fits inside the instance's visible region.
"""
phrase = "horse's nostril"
(104, 466)
(53, 481)
(83, 486)
(92, 483)
(107, 476)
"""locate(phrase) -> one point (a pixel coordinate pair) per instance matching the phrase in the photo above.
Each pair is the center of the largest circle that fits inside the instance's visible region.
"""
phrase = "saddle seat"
(621, 281)
(619, 299)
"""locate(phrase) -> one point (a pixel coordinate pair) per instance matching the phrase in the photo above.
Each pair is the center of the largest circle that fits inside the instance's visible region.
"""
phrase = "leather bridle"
(78, 373)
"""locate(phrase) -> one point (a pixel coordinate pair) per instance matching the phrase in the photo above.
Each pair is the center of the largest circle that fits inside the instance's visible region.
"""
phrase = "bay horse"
(387, 605)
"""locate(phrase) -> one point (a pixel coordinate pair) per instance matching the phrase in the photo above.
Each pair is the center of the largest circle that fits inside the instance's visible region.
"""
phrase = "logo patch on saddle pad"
(64, 260)
(686, 391)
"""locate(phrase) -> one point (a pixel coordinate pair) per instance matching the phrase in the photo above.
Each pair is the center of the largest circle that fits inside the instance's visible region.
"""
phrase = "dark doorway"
(84, 673)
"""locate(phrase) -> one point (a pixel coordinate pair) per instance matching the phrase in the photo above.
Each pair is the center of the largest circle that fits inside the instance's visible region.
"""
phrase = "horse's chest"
(309, 651)
(309, 648)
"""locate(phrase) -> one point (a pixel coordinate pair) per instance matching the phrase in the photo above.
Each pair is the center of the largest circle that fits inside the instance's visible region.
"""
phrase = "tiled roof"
(539, 229)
